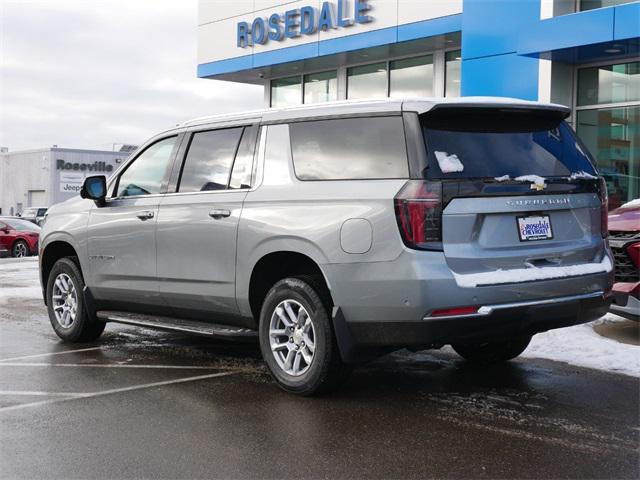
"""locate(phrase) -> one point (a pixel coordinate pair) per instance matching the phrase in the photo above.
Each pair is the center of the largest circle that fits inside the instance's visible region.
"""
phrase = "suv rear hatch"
(508, 194)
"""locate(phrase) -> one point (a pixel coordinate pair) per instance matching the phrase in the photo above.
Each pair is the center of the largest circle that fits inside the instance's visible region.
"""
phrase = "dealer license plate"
(534, 228)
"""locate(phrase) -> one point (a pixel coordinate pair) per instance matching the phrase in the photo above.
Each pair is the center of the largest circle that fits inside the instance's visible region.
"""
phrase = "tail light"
(634, 253)
(604, 208)
(419, 214)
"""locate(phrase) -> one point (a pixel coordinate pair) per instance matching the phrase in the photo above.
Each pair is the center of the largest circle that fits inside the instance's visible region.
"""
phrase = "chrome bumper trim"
(487, 310)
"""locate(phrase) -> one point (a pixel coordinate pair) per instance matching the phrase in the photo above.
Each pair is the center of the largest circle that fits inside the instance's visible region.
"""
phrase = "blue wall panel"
(506, 75)
(567, 31)
(491, 27)
(429, 28)
(627, 21)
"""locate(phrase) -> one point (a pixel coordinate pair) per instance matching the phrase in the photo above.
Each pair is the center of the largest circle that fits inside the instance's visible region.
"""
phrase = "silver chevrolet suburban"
(338, 232)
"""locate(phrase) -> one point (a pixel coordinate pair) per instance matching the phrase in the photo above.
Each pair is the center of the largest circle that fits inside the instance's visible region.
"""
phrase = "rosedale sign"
(302, 21)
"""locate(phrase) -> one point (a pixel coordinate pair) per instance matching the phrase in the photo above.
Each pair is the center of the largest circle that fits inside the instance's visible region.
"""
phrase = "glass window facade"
(321, 87)
(591, 4)
(453, 64)
(411, 77)
(612, 132)
(609, 84)
(367, 81)
(286, 91)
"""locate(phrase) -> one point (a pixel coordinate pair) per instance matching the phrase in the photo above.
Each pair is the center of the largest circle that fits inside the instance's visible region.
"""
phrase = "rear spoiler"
(494, 117)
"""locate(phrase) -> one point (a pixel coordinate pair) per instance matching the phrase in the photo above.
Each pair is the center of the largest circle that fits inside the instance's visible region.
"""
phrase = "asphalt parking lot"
(146, 404)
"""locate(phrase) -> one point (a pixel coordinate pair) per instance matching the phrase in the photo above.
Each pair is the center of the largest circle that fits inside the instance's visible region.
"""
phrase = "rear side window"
(243, 165)
(209, 160)
(500, 145)
(349, 149)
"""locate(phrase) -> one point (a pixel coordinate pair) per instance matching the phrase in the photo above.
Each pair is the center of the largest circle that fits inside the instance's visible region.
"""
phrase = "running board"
(176, 324)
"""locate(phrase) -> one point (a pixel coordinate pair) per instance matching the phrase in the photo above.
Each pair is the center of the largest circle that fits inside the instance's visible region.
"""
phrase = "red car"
(18, 238)
(624, 238)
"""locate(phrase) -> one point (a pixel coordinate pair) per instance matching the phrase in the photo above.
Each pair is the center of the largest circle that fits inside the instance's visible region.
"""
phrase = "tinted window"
(41, 211)
(209, 160)
(349, 148)
(504, 145)
(144, 176)
(242, 167)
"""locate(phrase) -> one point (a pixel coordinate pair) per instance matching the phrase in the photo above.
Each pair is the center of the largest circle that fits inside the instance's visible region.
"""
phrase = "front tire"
(297, 340)
(20, 249)
(65, 304)
(492, 352)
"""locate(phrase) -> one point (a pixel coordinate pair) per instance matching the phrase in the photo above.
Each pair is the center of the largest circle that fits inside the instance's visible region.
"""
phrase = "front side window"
(349, 149)
(411, 77)
(209, 159)
(145, 174)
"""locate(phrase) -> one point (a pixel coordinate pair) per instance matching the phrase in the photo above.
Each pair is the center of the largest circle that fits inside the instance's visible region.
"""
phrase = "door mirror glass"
(94, 188)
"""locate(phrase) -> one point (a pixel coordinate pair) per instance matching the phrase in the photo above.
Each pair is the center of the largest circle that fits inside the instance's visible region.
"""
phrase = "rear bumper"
(625, 303)
(388, 304)
(497, 321)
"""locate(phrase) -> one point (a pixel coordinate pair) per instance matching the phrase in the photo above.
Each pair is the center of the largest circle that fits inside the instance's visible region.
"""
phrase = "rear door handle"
(146, 215)
(219, 213)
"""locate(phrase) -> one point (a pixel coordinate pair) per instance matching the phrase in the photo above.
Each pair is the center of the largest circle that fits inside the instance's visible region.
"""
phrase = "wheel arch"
(274, 266)
(51, 253)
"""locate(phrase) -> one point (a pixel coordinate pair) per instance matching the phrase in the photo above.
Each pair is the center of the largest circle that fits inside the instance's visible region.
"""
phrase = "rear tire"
(297, 340)
(20, 249)
(492, 352)
(65, 304)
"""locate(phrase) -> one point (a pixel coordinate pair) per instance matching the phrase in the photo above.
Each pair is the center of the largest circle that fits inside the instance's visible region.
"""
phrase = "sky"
(91, 73)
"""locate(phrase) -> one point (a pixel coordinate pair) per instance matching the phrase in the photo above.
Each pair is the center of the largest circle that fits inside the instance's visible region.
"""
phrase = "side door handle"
(219, 213)
(146, 215)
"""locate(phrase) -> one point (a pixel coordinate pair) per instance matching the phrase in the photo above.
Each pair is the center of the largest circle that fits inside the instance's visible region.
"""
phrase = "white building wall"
(217, 22)
(24, 176)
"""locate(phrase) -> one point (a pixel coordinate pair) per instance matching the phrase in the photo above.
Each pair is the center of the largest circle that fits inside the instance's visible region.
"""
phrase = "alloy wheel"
(20, 250)
(292, 337)
(65, 300)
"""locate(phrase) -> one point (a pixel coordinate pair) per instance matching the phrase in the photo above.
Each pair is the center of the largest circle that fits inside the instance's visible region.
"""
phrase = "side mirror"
(95, 188)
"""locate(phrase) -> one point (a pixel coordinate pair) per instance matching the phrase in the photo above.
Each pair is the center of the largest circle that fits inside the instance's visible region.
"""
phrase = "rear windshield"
(502, 145)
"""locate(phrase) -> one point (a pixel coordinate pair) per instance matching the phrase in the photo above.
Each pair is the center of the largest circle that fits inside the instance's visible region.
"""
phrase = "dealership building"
(580, 53)
(42, 177)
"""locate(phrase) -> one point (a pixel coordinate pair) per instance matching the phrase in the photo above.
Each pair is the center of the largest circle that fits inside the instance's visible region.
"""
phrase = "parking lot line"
(106, 365)
(116, 390)
(50, 353)
(18, 393)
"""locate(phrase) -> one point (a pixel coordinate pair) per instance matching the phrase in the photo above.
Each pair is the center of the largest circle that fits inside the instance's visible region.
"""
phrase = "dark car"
(18, 237)
(624, 238)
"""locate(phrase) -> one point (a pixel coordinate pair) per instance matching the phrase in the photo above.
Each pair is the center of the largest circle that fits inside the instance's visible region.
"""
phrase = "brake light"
(418, 208)
(634, 253)
(452, 312)
(604, 208)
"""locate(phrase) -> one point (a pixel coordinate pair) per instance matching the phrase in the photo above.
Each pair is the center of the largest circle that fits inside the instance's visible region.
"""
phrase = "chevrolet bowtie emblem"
(538, 186)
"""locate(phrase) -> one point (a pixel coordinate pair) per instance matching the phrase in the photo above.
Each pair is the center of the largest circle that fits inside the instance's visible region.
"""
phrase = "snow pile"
(449, 163)
(582, 346)
(631, 204)
(582, 175)
(504, 178)
(517, 275)
(535, 179)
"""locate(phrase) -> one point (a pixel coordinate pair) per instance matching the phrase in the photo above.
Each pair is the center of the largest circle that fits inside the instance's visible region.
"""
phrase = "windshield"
(29, 212)
(496, 150)
(21, 225)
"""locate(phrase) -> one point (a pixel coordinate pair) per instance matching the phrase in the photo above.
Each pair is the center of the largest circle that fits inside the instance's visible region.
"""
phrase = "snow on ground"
(579, 345)
(582, 346)
(19, 279)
